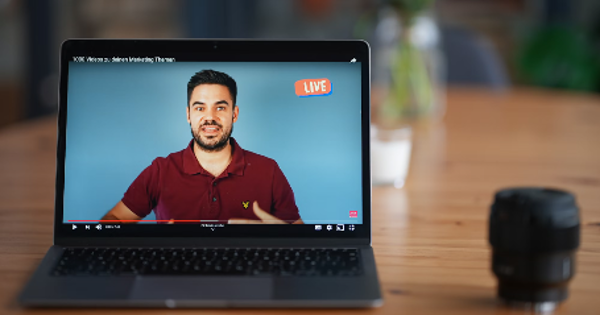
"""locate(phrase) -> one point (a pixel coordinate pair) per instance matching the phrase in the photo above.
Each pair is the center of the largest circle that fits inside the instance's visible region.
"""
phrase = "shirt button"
(215, 184)
(214, 199)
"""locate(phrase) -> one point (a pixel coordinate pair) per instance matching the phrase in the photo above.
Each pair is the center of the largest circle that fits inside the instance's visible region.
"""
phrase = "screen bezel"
(226, 50)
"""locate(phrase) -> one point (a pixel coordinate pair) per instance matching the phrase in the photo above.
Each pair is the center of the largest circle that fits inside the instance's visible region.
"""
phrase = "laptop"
(211, 173)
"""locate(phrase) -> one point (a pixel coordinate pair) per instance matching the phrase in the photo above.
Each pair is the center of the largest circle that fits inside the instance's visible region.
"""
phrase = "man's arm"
(121, 212)
(141, 196)
(284, 204)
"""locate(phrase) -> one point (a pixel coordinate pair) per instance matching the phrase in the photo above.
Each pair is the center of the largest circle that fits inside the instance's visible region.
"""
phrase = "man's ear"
(187, 112)
(236, 113)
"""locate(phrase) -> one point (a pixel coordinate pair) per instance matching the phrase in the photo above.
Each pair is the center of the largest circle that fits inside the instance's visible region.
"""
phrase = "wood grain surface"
(430, 238)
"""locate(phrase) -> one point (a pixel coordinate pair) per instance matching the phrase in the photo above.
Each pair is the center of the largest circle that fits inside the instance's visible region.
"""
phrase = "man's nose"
(210, 114)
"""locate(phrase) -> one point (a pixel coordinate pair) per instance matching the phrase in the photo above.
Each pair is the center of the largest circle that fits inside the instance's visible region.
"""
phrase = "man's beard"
(213, 146)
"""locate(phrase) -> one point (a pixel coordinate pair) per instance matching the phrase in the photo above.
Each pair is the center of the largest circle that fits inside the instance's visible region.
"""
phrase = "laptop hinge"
(209, 242)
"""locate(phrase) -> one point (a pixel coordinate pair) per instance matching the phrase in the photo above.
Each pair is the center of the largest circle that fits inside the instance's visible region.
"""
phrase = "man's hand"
(265, 218)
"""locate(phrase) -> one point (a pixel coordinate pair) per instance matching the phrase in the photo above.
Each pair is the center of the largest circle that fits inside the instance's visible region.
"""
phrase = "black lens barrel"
(534, 233)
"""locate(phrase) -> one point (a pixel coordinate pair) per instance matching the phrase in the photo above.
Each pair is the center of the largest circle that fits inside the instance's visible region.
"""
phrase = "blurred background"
(419, 47)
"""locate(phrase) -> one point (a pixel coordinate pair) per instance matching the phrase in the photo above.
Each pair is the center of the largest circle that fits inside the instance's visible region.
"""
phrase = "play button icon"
(74, 227)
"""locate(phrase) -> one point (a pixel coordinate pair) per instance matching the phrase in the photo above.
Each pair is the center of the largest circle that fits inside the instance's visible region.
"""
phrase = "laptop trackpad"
(202, 288)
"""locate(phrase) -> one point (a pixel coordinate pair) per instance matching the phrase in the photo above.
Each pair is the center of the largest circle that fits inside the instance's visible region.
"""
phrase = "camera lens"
(534, 233)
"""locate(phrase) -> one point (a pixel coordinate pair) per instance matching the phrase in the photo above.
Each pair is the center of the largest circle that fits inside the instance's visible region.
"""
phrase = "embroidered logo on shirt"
(245, 204)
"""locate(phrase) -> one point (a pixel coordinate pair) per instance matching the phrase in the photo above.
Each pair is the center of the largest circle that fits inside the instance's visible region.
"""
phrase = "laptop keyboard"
(208, 261)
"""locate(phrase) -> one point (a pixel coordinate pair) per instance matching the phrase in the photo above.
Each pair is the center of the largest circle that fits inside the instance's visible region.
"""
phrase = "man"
(213, 178)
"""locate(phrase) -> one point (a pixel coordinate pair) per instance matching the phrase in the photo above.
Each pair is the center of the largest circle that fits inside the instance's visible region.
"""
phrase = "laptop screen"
(212, 144)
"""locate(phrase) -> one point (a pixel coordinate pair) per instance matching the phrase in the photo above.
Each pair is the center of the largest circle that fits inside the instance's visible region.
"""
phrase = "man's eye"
(199, 109)
(220, 108)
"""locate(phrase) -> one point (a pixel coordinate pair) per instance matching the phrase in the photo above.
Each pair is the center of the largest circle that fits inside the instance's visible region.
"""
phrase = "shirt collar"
(191, 165)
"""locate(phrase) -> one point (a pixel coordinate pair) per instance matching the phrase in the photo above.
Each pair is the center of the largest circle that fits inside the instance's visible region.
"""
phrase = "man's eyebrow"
(218, 103)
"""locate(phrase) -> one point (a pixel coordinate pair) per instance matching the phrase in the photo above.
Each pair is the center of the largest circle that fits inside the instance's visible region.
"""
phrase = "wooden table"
(430, 238)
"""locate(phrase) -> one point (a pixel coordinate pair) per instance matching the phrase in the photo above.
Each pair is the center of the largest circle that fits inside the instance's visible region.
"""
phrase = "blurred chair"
(471, 60)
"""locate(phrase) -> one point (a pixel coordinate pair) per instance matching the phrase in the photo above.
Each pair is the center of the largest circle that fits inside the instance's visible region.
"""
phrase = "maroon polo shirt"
(177, 187)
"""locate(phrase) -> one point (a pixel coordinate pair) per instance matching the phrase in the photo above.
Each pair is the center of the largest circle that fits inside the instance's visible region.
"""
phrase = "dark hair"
(212, 77)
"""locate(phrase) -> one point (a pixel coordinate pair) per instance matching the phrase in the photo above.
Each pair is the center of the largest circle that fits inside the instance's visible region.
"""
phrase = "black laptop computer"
(211, 173)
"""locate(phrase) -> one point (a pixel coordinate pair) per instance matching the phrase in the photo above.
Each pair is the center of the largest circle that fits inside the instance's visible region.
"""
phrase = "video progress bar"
(155, 221)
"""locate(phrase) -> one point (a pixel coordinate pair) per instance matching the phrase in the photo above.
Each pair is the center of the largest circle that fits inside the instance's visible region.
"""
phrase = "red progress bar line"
(117, 221)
